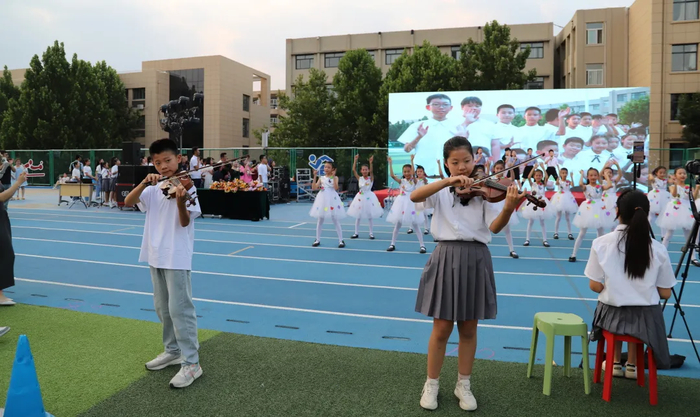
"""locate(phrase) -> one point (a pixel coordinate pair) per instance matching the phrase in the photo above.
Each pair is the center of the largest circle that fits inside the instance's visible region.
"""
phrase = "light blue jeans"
(172, 297)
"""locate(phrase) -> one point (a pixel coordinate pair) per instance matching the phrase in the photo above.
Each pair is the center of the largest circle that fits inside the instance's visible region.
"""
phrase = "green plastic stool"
(559, 324)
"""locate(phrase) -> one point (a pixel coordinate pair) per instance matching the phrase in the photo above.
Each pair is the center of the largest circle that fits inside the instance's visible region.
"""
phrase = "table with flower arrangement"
(235, 200)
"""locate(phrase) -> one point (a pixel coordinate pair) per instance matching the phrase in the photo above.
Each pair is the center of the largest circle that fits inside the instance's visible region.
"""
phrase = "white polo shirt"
(607, 266)
(429, 148)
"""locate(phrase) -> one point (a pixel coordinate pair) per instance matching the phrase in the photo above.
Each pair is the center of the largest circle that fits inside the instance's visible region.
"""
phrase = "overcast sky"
(253, 32)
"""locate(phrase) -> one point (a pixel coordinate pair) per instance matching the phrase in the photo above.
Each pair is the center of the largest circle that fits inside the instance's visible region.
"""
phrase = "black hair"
(406, 166)
(222, 154)
(657, 169)
(479, 167)
(195, 149)
(594, 137)
(597, 116)
(113, 161)
(551, 115)
(551, 150)
(611, 115)
(505, 106)
(585, 113)
(529, 149)
(625, 136)
(439, 97)
(499, 162)
(471, 100)
(78, 157)
(573, 139)
(572, 115)
(163, 145)
(589, 170)
(564, 169)
(420, 167)
(454, 143)
(364, 165)
(544, 143)
(149, 159)
(533, 108)
(633, 211)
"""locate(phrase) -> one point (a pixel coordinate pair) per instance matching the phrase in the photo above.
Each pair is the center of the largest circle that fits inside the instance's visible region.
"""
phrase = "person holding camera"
(7, 253)
(6, 170)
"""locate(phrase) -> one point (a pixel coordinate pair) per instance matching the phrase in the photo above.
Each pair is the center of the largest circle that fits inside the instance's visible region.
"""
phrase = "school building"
(652, 43)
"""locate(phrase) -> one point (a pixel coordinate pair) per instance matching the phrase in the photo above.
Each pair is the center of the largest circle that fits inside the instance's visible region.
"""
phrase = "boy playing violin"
(167, 246)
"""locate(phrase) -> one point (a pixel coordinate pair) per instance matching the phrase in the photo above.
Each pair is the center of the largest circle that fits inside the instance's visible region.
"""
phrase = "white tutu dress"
(658, 196)
(514, 220)
(526, 209)
(403, 209)
(327, 204)
(564, 201)
(609, 204)
(677, 214)
(590, 213)
(365, 205)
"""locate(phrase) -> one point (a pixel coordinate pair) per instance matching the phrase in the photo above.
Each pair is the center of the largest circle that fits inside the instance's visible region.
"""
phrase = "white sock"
(418, 232)
(529, 228)
(461, 377)
(556, 223)
(436, 380)
(567, 216)
(394, 235)
(319, 226)
(371, 226)
(600, 231)
(357, 226)
(544, 231)
(667, 237)
(338, 229)
(509, 238)
(579, 239)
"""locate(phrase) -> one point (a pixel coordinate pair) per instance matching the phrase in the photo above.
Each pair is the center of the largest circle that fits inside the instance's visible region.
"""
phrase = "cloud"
(127, 32)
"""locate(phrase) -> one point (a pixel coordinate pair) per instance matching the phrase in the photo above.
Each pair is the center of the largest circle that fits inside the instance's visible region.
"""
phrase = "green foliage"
(635, 111)
(65, 105)
(8, 91)
(689, 118)
(518, 120)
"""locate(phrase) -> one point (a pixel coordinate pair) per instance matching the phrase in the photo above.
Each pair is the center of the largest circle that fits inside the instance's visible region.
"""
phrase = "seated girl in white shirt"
(631, 272)
(458, 282)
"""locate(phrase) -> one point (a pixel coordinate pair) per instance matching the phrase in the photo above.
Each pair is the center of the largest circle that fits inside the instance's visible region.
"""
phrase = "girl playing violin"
(461, 261)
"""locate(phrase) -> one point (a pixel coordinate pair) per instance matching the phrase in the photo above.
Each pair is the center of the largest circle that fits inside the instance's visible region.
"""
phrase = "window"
(332, 60)
(537, 84)
(594, 107)
(139, 94)
(456, 52)
(684, 57)
(685, 10)
(639, 95)
(594, 74)
(273, 103)
(373, 54)
(392, 55)
(594, 33)
(246, 102)
(621, 98)
(536, 49)
(304, 61)
(675, 100)
(246, 128)
(256, 101)
(676, 155)
(273, 120)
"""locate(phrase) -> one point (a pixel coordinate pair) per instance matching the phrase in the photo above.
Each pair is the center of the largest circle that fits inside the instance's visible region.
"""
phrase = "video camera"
(693, 167)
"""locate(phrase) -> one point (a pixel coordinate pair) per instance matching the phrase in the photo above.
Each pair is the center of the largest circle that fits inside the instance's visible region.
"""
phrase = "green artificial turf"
(86, 360)
(80, 358)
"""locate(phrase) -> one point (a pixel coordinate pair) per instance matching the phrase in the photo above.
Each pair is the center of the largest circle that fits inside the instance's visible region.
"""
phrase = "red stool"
(607, 384)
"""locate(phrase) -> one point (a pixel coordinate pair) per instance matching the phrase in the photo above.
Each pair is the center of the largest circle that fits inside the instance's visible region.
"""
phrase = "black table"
(243, 205)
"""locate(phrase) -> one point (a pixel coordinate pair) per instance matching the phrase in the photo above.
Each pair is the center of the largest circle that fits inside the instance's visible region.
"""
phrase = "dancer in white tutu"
(610, 195)
(327, 204)
(403, 210)
(659, 195)
(421, 180)
(538, 187)
(590, 213)
(677, 214)
(365, 205)
(497, 167)
(563, 202)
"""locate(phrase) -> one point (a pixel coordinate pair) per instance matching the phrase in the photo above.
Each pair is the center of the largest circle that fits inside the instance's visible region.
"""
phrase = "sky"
(125, 32)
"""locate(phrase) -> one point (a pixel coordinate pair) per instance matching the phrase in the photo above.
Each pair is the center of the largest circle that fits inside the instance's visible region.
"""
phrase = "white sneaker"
(186, 376)
(164, 360)
(464, 393)
(7, 302)
(617, 369)
(630, 371)
(4, 330)
(428, 399)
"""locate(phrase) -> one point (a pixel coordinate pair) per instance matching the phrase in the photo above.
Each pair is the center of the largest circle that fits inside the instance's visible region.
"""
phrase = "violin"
(169, 186)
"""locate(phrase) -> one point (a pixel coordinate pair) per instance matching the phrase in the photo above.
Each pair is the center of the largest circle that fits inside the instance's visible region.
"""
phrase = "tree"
(689, 118)
(310, 120)
(68, 105)
(357, 87)
(8, 91)
(496, 63)
(635, 111)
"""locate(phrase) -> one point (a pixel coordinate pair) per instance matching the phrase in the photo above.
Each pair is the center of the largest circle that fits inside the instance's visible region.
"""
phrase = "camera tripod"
(691, 246)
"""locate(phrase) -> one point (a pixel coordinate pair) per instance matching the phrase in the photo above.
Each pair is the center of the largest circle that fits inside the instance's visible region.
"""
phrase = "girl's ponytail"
(633, 211)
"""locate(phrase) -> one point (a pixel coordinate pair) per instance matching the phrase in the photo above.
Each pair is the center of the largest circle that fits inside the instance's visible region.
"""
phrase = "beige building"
(275, 111)
(324, 53)
(229, 115)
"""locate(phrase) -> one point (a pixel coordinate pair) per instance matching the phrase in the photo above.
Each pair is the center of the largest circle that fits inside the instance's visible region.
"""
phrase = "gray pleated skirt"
(458, 283)
(646, 323)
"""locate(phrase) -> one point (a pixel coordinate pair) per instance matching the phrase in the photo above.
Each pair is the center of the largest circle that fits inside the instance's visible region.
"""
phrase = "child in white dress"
(677, 214)
(659, 195)
(365, 205)
(327, 204)
(590, 213)
(538, 187)
(403, 210)
(564, 203)
(499, 166)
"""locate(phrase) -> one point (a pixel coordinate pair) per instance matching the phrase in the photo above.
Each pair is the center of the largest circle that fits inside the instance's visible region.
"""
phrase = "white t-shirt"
(87, 170)
(105, 173)
(194, 164)
(262, 173)
(506, 132)
(115, 171)
(607, 266)
(75, 174)
(530, 136)
(429, 148)
(453, 221)
(481, 134)
(166, 244)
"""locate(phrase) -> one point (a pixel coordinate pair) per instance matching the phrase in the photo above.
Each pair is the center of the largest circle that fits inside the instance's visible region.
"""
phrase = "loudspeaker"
(282, 175)
(131, 153)
(123, 190)
(130, 174)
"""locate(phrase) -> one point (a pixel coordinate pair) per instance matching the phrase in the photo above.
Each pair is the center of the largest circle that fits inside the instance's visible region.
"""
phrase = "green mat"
(84, 358)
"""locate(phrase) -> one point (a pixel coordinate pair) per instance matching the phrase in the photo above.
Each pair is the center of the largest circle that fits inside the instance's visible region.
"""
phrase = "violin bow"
(480, 180)
(216, 165)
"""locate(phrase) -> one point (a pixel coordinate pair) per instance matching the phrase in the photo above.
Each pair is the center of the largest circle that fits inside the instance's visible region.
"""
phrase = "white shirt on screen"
(506, 132)
(453, 221)
(165, 243)
(480, 133)
(530, 136)
(606, 265)
(429, 148)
